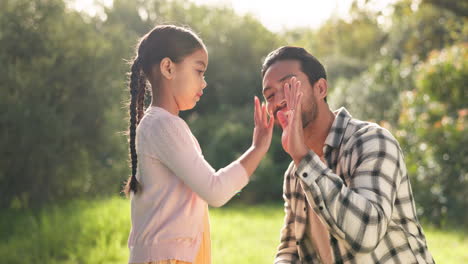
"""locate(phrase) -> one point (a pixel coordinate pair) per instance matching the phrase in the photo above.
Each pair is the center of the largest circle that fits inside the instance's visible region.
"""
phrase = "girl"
(171, 184)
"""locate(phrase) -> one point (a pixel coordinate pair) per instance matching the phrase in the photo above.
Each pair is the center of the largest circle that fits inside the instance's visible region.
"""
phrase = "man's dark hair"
(309, 64)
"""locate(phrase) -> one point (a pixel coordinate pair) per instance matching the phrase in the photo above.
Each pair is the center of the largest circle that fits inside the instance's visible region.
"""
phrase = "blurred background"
(64, 94)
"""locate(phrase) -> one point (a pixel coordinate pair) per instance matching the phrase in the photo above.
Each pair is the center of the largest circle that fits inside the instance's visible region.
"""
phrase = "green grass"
(91, 232)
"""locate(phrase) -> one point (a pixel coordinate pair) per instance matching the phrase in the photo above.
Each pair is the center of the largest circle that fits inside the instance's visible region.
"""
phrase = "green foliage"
(434, 131)
(96, 232)
(67, 81)
(458, 7)
(75, 232)
(418, 29)
(57, 96)
(63, 86)
(444, 76)
(373, 95)
(346, 48)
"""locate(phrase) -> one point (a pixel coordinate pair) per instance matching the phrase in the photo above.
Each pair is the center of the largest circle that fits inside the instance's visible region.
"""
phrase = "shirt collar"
(337, 130)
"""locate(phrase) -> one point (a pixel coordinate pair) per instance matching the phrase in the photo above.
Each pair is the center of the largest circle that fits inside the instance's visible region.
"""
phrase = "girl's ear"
(167, 68)
(321, 87)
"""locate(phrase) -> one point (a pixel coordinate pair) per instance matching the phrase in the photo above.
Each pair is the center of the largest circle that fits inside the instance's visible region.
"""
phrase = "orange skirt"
(204, 253)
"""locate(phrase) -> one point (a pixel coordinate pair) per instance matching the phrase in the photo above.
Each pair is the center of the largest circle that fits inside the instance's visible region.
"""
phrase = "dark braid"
(135, 90)
(140, 102)
(165, 41)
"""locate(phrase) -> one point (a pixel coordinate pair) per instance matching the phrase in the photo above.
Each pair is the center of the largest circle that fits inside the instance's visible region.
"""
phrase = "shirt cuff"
(310, 168)
(241, 171)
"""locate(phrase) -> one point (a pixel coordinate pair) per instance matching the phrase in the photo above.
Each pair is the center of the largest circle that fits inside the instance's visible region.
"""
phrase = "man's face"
(277, 75)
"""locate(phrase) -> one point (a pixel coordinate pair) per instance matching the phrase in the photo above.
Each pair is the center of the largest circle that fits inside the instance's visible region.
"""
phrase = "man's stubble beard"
(309, 115)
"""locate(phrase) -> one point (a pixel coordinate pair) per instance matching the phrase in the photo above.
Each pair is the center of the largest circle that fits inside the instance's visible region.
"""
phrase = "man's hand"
(291, 121)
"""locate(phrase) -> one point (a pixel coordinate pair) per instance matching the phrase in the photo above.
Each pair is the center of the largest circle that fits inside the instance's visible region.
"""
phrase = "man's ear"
(321, 88)
(167, 68)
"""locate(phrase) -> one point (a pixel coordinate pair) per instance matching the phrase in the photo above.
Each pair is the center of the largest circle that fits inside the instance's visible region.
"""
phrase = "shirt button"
(305, 174)
(297, 242)
(305, 208)
(321, 207)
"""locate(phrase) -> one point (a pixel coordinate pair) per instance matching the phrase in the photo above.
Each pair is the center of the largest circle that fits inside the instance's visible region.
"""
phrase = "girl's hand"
(263, 130)
(292, 138)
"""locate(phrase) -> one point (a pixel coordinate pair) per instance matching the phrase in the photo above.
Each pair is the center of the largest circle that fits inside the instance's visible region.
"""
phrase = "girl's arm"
(172, 143)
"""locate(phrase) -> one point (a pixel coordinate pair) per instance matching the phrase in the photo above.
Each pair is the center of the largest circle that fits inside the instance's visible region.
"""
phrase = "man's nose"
(280, 100)
(276, 105)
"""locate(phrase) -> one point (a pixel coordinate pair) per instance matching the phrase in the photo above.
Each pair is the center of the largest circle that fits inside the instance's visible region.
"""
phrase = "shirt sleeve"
(171, 141)
(360, 212)
(287, 249)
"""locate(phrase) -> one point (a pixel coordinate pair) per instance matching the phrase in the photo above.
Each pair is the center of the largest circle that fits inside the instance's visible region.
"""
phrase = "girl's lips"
(199, 94)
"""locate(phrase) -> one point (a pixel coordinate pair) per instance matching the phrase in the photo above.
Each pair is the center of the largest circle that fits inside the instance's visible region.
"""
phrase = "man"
(347, 195)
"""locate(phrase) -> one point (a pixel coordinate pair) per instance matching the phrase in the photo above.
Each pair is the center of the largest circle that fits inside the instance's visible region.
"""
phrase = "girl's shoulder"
(158, 120)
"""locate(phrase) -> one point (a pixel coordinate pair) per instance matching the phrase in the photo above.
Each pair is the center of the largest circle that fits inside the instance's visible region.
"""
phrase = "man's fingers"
(298, 109)
(287, 92)
(297, 88)
(282, 119)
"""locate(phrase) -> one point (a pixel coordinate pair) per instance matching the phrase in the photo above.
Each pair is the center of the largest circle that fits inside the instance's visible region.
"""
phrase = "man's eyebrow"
(287, 77)
(266, 89)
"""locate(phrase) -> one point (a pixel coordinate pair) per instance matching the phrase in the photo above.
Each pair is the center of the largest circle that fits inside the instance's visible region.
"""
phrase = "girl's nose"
(204, 84)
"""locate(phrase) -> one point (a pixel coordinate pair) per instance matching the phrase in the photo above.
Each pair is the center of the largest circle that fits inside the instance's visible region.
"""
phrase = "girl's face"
(189, 80)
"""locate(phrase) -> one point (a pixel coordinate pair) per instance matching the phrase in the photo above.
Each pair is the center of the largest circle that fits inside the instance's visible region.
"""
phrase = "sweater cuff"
(240, 170)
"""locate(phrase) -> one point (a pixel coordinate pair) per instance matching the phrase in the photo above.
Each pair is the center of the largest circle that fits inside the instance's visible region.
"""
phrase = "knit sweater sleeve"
(171, 141)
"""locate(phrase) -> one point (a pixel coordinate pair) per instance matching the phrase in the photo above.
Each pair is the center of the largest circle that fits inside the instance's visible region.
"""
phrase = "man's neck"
(316, 132)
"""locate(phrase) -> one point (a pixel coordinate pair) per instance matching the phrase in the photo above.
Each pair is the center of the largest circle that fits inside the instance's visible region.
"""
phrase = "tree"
(434, 133)
(58, 135)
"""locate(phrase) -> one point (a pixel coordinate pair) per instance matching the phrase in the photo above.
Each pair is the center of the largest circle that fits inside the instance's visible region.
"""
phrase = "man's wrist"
(300, 155)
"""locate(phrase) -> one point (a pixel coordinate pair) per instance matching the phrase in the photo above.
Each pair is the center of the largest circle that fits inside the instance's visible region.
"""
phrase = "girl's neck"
(166, 101)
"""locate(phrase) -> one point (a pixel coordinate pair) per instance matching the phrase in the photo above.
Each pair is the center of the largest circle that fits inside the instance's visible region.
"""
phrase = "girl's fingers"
(271, 122)
(256, 110)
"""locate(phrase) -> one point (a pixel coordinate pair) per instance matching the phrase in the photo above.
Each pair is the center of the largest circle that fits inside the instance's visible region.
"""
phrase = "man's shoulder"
(364, 132)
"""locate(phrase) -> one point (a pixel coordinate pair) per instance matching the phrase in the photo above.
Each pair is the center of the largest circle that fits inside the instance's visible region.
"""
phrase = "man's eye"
(270, 96)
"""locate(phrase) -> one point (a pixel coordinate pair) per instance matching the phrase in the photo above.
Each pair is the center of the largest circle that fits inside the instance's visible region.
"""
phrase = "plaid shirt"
(361, 193)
